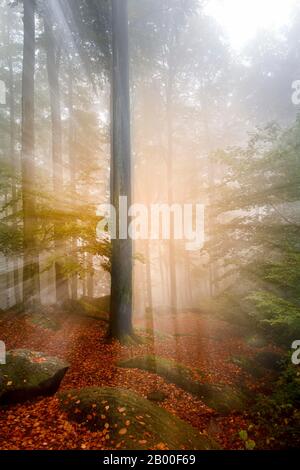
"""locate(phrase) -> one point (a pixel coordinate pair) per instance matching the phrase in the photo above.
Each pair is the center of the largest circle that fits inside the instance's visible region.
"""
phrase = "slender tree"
(31, 286)
(72, 164)
(121, 262)
(12, 151)
(170, 176)
(61, 282)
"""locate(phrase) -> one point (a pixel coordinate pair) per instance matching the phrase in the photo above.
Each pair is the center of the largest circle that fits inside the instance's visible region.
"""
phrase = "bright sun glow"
(242, 19)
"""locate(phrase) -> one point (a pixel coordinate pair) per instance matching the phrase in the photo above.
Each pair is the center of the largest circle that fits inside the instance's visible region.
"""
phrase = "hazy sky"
(242, 19)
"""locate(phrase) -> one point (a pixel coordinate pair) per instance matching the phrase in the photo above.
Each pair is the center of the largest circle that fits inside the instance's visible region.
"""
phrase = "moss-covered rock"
(91, 308)
(172, 371)
(131, 420)
(43, 320)
(223, 398)
(28, 374)
(249, 366)
(101, 304)
(157, 395)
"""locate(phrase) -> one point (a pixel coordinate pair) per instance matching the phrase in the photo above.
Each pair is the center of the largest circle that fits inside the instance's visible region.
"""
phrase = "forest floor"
(193, 339)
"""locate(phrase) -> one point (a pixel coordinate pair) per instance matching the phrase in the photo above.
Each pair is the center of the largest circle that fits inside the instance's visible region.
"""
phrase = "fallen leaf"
(123, 431)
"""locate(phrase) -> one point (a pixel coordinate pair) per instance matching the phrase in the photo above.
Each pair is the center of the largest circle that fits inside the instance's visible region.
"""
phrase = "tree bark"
(148, 276)
(121, 270)
(61, 281)
(72, 163)
(13, 159)
(31, 280)
(172, 256)
(90, 276)
(211, 170)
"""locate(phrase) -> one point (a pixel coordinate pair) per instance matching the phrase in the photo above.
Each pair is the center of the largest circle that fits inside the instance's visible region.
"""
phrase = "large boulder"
(28, 374)
(223, 398)
(130, 421)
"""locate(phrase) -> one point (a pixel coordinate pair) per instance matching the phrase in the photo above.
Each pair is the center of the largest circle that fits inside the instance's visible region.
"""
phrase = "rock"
(28, 374)
(92, 308)
(222, 398)
(269, 360)
(157, 395)
(131, 420)
(170, 370)
(249, 366)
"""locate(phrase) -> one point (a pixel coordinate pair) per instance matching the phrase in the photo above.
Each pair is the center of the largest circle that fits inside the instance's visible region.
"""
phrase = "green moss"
(123, 409)
(157, 334)
(44, 321)
(249, 365)
(172, 371)
(131, 340)
(157, 395)
(28, 374)
(88, 308)
(223, 398)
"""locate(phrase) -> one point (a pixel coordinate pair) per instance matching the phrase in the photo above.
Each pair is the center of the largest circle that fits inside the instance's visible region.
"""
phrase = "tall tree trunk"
(212, 267)
(148, 276)
(31, 280)
(210, 224)
(84, 289)
(72, 163)
(13, 158)
(188, 280)
(164, 282)
(90, 276)
(172, 256)
(61, 281)
(7, 266)
(121, 270)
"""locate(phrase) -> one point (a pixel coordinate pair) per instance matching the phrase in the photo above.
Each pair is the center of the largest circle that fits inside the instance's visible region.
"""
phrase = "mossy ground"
(249, 366)
(45, 321)
(92, 308)
(130, 420)
(157, 396)
(28, 374)
(222, 398)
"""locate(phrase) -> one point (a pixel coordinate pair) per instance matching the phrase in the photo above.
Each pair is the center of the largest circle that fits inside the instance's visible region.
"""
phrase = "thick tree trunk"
(121, 271)
(31, 281)
(61, 282)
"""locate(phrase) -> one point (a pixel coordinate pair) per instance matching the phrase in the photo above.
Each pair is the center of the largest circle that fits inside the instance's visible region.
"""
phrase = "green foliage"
(249, 443)
(278, 415)
(258, 238)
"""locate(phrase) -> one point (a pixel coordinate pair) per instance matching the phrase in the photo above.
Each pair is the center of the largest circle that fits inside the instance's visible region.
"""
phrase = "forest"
(149, 224)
